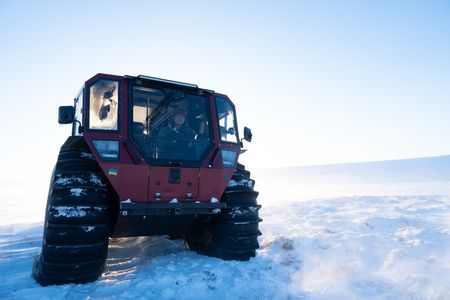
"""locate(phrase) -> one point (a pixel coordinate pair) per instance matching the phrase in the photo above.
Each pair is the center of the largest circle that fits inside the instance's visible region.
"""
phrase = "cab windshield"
(170, 124)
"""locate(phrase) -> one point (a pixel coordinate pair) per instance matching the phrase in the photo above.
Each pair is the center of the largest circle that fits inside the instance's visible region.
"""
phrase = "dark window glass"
(169, 124)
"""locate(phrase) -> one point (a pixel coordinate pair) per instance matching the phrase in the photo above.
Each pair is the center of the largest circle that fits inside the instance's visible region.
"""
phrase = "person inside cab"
(175, 140)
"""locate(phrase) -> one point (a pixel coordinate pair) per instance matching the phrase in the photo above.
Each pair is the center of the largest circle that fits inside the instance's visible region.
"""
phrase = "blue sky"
(317, 81)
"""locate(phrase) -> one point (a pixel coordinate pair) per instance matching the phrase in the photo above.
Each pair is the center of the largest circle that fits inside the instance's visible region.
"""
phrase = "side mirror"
(66, 114)
(248, 134)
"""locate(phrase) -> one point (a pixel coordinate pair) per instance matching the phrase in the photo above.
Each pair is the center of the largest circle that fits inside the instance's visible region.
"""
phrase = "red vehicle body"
(147, 156)
(137, 180)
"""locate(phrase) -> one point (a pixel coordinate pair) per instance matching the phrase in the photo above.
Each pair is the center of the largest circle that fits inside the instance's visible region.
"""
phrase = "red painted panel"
(134, 182)
(159, 183)
(129, 181)
(213, 182)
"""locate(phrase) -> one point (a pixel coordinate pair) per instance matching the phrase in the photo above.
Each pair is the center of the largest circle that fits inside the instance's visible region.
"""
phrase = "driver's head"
(179, 117)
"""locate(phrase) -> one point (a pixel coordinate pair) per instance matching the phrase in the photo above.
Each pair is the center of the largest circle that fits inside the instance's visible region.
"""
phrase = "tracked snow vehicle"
(147, 156)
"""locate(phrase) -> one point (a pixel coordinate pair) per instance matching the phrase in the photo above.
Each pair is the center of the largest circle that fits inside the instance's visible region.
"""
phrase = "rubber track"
(77, 221)
(234, 235)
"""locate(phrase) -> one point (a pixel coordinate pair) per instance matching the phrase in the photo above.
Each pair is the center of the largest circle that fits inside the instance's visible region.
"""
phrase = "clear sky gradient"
(317, 81)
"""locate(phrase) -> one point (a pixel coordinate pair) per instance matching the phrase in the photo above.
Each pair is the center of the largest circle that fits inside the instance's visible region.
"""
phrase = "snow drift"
(419, 176)
(357, 231)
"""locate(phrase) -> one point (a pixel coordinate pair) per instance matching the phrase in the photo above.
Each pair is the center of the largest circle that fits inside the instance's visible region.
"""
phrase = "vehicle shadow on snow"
(125, 255)
(186, 274)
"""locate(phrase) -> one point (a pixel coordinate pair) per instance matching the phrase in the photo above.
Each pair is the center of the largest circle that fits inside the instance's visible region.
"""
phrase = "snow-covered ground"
(356, 231)
(399, 177)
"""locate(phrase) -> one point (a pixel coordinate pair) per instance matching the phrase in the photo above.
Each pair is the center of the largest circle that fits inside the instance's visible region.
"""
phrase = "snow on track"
(365, 247)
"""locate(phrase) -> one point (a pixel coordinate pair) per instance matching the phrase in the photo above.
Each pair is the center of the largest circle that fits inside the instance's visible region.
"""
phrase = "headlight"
(108, 150)
(228, 158)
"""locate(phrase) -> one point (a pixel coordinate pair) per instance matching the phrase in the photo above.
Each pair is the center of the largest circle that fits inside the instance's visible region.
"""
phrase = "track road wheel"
(234, 235)
(77, 220)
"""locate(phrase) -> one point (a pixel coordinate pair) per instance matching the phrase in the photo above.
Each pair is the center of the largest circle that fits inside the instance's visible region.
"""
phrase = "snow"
(73, 179)
(401, 177)
(88, 228)
(232, 183)
(126, 201)
(246, 182)
(70, 211)
(77, 192)
(214, 200)
(238, 211)
(95, 180)
(87, 155)
(73, 211)
(69, 180)
(377, 236)
(174, 200)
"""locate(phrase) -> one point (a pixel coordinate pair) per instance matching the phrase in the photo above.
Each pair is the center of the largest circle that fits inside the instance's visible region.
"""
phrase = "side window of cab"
(227, 120)
(77, 128)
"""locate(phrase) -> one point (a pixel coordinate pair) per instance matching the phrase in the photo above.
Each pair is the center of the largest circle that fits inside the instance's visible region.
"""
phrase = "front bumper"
(149, 209)
(143, 219)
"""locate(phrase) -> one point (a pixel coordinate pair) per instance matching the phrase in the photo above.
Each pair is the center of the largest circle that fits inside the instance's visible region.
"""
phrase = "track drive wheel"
(77, 220)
